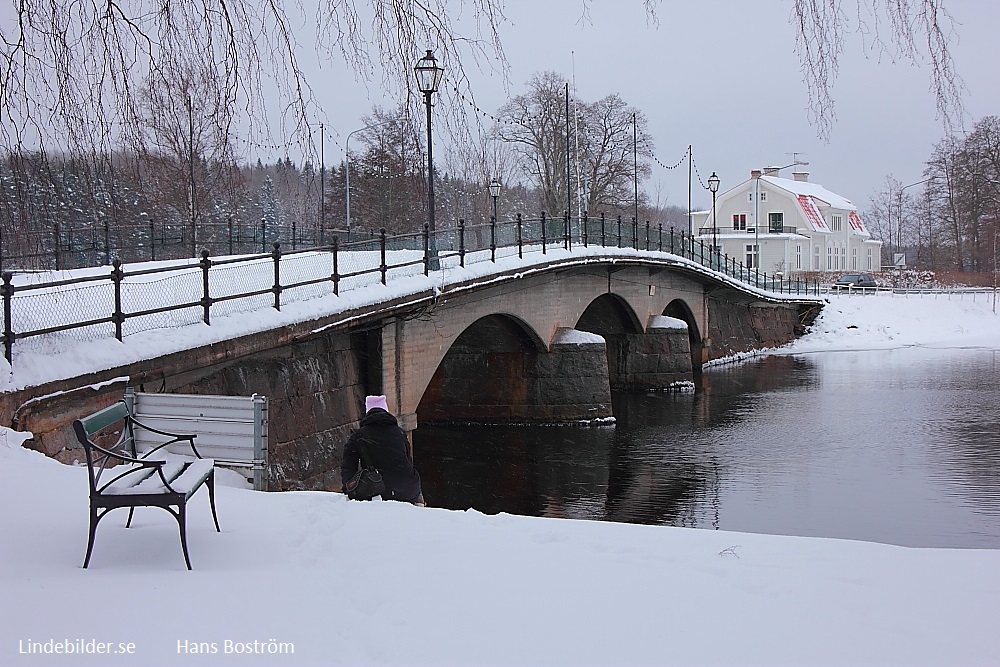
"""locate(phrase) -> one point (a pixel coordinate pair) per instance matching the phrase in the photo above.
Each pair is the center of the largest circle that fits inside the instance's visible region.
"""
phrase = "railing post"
(603, 231)
(659, 238)
(427, 251)
(383, 267)
(585, 222)
(493, 238)
(672, 240)
(520, 253)
(635, 234)
(230, 219)
(336, 271)
(647, 236)
(543, 232)
(118, 317)
(206, 300)
(8, 333)
(276, 254)
(152, 242)
(461, 242)
(619, 231)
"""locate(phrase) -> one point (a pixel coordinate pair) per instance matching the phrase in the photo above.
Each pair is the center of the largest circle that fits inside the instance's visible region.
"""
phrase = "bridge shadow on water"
(661, 463)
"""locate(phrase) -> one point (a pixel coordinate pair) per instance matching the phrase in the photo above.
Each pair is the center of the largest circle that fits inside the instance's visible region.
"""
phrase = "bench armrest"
(124, 458)
(176, 437)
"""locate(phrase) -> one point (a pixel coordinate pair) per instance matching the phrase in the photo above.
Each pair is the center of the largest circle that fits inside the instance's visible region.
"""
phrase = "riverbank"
(344, 583)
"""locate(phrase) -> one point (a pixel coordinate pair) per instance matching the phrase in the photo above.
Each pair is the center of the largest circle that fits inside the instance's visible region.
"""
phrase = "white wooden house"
(788, 226)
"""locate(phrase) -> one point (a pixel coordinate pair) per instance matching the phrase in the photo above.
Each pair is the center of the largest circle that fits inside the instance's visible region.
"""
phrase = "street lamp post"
(713, 185)
(428, 79)
(495, 193)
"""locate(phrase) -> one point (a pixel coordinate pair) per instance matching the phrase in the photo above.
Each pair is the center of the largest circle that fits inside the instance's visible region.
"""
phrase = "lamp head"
(713, 183)
(428, 73)
(494, 188)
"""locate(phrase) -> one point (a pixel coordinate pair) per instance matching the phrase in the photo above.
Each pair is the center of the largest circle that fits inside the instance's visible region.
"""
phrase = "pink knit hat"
(375, 402)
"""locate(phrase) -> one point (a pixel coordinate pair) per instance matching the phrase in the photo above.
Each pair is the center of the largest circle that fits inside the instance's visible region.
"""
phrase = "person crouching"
(385, 448)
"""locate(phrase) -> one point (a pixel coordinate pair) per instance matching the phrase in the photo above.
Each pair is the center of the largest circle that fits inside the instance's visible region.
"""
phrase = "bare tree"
(613, 137)
(554, 135)
(915, 30)
(72, 72)
(71, 69)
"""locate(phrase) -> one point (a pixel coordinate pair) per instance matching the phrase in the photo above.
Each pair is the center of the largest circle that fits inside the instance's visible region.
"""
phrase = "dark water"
(899, 446)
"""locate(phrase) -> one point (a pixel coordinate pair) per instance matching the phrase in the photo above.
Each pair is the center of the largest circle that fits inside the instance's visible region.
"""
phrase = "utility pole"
(194, 225)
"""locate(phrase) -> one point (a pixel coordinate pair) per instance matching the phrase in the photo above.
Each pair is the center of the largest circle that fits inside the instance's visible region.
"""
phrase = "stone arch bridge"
(545, 344)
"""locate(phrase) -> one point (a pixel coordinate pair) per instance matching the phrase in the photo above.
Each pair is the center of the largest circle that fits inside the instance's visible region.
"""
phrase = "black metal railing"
(124, 301)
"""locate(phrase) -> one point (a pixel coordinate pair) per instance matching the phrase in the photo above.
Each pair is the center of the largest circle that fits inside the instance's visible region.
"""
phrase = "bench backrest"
(230, 429)
(86, 427)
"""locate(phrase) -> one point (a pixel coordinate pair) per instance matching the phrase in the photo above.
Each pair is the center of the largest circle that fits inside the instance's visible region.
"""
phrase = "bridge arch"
(613, 318)
(679, 309)
(498, 370)
(484, 366)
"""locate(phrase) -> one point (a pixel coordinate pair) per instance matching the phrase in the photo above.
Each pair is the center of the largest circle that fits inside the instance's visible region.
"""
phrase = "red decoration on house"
(812, 213)
(855, 221)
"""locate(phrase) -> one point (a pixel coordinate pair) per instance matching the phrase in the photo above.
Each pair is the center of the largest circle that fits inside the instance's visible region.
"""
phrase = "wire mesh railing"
(96, 304)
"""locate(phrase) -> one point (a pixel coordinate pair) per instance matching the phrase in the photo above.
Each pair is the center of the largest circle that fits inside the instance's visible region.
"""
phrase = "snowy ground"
(344, 583)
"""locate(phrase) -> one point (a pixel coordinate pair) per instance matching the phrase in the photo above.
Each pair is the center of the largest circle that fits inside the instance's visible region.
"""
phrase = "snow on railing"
(94, 304)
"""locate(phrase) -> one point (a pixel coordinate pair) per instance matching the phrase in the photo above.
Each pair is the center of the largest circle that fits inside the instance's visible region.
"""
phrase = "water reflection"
(894, 446)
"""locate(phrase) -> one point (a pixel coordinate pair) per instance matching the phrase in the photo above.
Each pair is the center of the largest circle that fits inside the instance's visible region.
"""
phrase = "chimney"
(801, 176)
(755, 173)
(771, 171)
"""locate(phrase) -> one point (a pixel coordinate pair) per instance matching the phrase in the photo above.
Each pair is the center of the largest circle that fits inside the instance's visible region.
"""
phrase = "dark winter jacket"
(387, 449)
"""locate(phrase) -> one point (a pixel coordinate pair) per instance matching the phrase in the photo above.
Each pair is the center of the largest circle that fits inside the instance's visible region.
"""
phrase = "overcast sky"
(723, 77)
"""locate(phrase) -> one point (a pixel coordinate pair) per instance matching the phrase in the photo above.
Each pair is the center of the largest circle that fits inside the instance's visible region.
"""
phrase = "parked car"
(854, 280)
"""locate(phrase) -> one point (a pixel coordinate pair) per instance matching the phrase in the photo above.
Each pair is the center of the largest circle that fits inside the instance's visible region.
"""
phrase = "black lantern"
(495, 193)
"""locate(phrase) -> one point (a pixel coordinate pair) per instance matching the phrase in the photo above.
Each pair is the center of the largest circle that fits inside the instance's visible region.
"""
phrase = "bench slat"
(193, 406)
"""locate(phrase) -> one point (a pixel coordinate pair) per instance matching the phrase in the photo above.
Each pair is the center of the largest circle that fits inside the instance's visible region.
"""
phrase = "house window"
(751, 253)
(798, 257)
(763, 196)
(750, 197)
(815, 258)
(776, 222)
(836, 222)
(869, 267)
(739, 221)
(843, 259)
(829, 259)
(854, 259)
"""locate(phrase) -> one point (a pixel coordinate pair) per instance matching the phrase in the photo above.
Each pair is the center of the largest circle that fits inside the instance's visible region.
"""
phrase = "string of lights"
(523, 121)
(460, 191)
(698, 174)
(657, 160)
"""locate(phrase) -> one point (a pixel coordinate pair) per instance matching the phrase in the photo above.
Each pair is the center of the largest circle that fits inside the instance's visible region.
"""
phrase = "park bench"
(122, 477)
